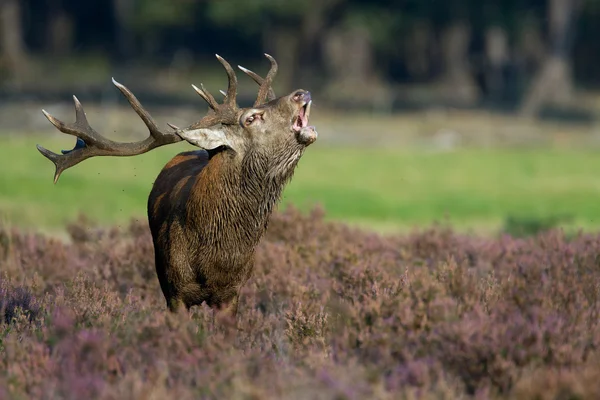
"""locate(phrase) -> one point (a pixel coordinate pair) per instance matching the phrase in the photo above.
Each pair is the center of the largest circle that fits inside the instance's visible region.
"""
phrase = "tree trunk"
(313, 28)
(457, 84)
(553, 81)
(13, 53)
(123, 10)
(497, 57)
(418, 45)
(60, 30)
(355, 81)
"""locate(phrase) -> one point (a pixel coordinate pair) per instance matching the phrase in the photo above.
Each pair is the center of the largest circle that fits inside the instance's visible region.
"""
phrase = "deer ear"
(205, 138)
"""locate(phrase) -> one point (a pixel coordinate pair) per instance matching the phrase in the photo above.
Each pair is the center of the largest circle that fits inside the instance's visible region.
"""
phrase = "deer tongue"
(301, 120)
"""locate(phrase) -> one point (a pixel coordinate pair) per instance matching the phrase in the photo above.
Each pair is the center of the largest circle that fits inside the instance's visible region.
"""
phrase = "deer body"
(208, 208)
(207, 214)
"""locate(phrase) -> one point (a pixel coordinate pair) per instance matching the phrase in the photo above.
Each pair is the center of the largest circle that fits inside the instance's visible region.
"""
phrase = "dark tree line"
(469, 51)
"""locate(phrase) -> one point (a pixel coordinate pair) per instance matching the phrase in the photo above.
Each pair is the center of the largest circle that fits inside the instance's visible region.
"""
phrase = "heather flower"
(330, 312)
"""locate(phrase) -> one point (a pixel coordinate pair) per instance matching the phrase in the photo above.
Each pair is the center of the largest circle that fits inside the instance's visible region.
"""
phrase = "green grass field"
(386, 189)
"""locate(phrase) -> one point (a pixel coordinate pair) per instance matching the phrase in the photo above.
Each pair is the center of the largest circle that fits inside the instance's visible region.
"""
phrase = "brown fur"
(206, 230)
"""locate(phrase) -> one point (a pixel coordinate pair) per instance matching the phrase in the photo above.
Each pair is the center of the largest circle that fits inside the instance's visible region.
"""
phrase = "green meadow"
(384, 189)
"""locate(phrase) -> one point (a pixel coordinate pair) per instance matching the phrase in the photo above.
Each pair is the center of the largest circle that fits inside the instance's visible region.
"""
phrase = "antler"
(221, 113)
(265, 91)
(91, 144)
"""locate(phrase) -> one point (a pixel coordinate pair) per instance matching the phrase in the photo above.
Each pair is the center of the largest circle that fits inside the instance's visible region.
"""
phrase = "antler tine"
(56, 160)
(137, 107)
(230, 97)
(80, 128)
(90, 143)
(266, 84)
(259, 80)
(205, 94)
(223, 113)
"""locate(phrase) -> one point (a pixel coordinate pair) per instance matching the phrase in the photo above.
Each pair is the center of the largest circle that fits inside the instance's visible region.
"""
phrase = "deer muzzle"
(307, 135)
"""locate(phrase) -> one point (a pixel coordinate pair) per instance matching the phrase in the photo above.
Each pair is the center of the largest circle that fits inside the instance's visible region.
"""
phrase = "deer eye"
(251, 118)
(298, 96)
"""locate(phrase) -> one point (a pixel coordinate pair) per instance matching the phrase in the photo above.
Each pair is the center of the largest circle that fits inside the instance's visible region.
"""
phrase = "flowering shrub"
(330, 313)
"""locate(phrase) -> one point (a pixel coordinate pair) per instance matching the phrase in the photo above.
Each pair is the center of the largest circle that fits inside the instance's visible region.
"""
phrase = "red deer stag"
(208, 208)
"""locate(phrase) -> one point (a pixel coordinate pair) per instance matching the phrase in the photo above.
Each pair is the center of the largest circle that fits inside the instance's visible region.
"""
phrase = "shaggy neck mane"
(263, 177)
(240, 196)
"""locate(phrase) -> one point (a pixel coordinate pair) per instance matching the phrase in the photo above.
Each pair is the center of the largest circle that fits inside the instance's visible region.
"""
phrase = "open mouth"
(301, 120)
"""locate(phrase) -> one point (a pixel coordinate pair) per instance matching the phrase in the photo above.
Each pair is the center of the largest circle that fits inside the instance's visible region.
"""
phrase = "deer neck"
(264, 176)
(239, 197)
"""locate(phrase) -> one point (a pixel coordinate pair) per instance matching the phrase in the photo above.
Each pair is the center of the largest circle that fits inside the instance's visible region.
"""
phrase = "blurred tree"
(497, 56)
(587, 46)
(124, 15)
(13, 53)
(289, 29)
(457, 80)
(455, 19)
(350, 48)
(144, 23)
(59, 40)
(553, 83)
(468, 50)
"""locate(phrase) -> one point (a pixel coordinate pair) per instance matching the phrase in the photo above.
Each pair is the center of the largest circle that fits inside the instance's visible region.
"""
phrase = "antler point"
(48, 115)
(117, 84)
(77, 102)
(173, 126)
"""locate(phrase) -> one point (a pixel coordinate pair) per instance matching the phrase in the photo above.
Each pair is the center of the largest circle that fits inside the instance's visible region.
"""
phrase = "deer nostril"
(302, 96)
